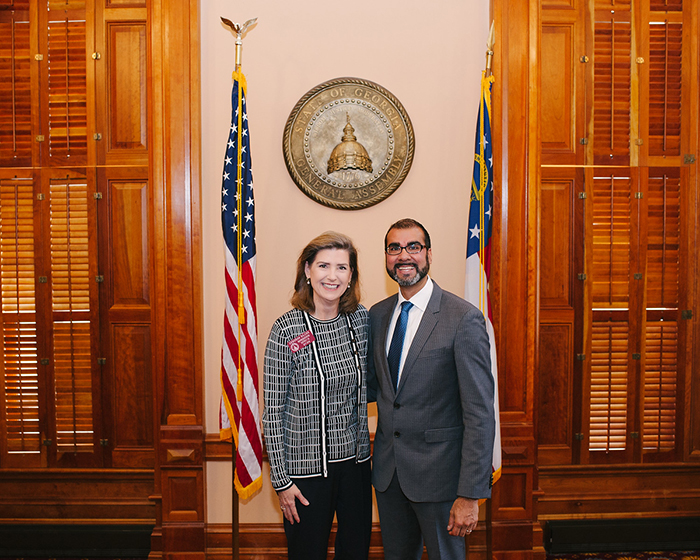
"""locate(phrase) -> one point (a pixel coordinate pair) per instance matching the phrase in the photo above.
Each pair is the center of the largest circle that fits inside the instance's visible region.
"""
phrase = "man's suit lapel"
(427, 324)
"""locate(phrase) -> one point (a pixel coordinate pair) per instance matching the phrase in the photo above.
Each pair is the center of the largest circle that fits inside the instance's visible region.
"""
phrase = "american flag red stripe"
(239, 418)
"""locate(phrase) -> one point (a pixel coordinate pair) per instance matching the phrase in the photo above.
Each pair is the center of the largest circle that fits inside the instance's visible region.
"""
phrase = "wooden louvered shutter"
(72, 315)
(611, 247)
(664, 114)
(67, 83)
(612, 85)
(662, 302)
(20, 384)
(638, 226)
(15, 86)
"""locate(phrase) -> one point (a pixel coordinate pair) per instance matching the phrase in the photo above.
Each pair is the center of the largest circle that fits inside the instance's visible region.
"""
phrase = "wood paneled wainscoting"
(101, 380)
(618, 385)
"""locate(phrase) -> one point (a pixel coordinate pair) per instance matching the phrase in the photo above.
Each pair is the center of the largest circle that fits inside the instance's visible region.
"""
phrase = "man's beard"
(406, 282)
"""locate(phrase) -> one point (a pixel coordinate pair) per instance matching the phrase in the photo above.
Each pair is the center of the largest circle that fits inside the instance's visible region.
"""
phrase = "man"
(434, 440)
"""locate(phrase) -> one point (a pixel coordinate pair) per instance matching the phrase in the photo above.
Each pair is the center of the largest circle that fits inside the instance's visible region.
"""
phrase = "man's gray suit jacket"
(436, 431)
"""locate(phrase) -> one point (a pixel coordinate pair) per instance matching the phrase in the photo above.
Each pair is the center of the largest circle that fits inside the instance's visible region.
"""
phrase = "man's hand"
(288, 503)
(464, 516)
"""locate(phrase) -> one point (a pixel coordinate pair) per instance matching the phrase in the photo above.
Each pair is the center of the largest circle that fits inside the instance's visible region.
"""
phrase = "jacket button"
(397, 434)
(397, 405)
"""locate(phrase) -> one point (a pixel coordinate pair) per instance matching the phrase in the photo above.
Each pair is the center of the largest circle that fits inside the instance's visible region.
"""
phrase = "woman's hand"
(288, 503)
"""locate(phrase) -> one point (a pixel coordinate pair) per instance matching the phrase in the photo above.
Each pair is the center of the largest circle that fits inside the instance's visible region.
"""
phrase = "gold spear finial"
(239, 30)
(489, 49)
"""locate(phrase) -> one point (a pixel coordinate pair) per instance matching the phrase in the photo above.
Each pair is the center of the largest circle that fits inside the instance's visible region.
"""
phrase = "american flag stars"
(238, 182)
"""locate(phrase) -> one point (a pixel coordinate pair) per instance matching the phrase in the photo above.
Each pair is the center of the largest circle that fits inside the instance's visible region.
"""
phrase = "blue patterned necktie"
(396, 346)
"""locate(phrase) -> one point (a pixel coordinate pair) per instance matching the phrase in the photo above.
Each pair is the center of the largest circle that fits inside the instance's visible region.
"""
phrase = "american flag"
(239, 418)
(476, 288)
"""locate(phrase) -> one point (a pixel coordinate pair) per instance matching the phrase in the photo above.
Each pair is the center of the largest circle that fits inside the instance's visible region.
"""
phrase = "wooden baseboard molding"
(77, 497)
(266, 541)
(619, 492)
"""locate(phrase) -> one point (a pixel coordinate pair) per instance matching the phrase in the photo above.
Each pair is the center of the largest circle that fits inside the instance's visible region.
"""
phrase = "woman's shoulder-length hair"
(303, 297)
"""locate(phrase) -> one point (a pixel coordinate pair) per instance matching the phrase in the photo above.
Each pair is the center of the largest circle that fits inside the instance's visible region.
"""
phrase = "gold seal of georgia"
(348, 143)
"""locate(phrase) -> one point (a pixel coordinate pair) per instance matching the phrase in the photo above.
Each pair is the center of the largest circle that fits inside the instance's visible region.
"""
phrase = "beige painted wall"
(430, 56)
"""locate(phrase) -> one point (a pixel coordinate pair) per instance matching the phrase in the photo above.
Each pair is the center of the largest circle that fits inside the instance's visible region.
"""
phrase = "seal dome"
(349, 154)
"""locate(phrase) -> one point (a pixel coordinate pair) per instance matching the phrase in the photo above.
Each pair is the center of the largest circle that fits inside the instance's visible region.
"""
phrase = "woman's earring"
(308, 281)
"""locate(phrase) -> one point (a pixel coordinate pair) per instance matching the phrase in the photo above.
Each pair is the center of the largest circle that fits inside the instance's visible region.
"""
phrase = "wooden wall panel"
(514, 282)
(514, 494)
(133, 396)
(559, 117)
(556, 243)
(174, 175)
(555, 394)
(512, 270)
(121, 84)
(130, 243)
(181, 494)
(127, 88)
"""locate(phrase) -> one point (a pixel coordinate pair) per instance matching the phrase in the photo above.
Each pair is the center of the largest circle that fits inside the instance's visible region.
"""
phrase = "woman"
(315, 417)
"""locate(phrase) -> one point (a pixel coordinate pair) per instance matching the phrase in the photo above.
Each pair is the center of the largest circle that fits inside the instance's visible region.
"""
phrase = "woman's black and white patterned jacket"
(311, 419)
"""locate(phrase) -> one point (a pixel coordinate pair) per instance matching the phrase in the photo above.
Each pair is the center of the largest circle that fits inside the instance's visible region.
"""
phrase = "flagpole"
(489, 72)
(239, 30)
(489, 49)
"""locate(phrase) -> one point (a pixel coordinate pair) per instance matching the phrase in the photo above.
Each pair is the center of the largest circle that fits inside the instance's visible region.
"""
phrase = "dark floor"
(687, 555)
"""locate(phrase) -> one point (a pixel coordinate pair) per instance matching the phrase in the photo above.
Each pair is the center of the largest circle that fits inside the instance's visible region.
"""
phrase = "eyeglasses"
(412, 248)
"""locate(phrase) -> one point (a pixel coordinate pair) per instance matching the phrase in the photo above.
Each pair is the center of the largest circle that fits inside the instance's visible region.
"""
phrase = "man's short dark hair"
(408, 223)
